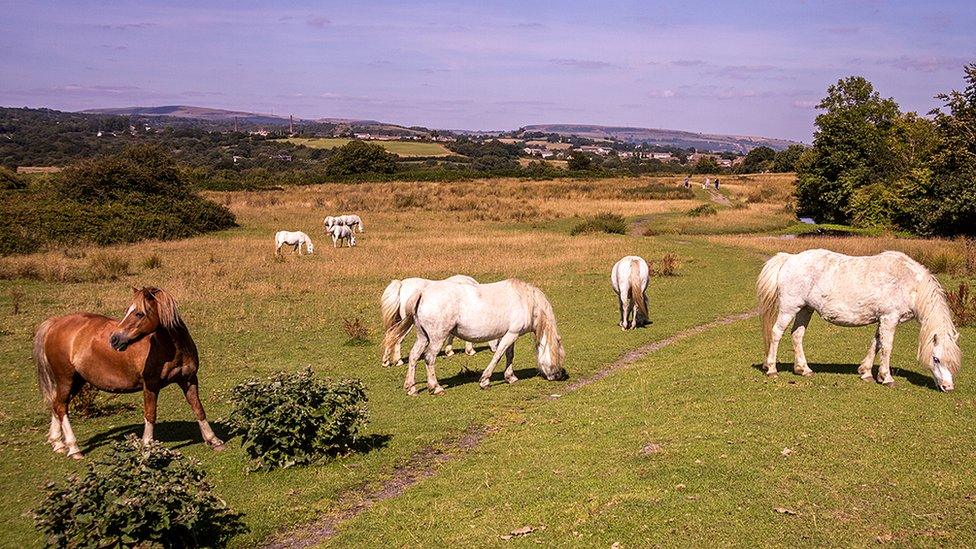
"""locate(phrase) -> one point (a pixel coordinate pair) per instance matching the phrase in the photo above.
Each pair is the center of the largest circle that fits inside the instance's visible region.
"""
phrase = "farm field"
(405, 149)
(684, 444)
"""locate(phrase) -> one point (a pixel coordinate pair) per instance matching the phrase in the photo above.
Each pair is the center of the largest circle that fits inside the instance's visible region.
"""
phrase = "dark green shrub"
(295, 418)
(602, 223)
(704, 210)
(145, 495)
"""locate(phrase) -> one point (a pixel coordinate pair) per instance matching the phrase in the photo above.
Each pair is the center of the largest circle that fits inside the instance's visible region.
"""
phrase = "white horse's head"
(550, 354)
(311, 247)
(329, 222)
(944, 358)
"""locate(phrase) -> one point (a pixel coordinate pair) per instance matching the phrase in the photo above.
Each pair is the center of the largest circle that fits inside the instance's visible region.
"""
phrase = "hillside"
(195, 113)
(675, 138)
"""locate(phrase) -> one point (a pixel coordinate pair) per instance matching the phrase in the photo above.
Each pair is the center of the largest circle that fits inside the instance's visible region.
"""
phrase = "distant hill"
(675, 138)
(195, 113)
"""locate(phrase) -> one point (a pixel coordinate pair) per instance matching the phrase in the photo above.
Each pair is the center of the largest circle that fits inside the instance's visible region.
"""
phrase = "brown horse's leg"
(191, 390)
(149, 397)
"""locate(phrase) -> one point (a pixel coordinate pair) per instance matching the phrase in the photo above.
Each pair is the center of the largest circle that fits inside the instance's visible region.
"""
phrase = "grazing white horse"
(887, 289)
(392, 309)
(352, 221)
(340, 233)
(629, 279)
(482, 312)
(295, 239)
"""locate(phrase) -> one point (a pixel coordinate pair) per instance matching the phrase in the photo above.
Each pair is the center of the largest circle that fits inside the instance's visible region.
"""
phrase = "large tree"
(852, 149)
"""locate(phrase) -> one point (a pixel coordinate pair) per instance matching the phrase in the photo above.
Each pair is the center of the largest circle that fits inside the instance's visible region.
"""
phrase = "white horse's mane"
(543, 317)
(935, 317)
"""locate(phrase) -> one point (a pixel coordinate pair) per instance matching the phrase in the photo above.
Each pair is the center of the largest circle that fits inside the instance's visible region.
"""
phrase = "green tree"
(788, 159)
(758, 160)
(359, 157)
(579, 161)
(707, 164)
(852, 148)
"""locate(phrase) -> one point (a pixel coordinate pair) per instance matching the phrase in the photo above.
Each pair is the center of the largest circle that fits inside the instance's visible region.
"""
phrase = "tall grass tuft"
(668, 265)
(962, 302)
(356, 329)
(704, 210)
(16, 299)
(602, 223)
(107, 267)
(152, 262)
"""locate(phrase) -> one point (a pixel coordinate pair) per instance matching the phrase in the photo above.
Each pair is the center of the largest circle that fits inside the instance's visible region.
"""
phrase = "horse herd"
(150, 347)
(341, 228)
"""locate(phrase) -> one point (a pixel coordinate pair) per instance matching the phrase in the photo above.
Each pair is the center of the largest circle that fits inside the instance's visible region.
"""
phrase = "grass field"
(689, 445)
(405, 149)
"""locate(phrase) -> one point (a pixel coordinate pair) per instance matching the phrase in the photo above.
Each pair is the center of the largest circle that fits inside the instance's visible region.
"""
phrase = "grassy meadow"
(691, 444)
(404, 149)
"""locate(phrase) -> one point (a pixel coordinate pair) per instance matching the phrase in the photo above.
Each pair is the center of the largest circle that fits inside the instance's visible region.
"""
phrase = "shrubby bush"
(704, 210)
(602, 223)
(137, 495)
(136, 195)
(296, 418)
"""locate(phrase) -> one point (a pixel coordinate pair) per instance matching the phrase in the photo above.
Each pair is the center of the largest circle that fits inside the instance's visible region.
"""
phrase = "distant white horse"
(887, 289)
(352, 221)
(295, 239)
(392, 309)
(340, 233)
(482, 312)
(629, 279)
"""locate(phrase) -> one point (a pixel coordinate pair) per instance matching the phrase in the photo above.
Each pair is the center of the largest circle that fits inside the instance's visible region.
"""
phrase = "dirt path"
(427, 461)
(718, 197)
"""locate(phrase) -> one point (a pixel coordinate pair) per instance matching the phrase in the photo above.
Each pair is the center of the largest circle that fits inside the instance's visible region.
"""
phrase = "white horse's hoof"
(76, 455)
(511, 380)
(484, 384)
(449, 352)
(438, 390)
(59, 448)
(866, 377)
(470, 352)
(888, 383)
(412, 391)
(805, 373)
(772, 374)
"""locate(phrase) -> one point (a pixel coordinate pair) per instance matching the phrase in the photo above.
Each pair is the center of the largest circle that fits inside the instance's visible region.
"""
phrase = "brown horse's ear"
(135, 290)
(153, 291)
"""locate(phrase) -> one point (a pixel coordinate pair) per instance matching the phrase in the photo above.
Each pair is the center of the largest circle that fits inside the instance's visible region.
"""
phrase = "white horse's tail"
(399, 330)
(390, 304)
(637, 289)
(767, 290)
(45, 375)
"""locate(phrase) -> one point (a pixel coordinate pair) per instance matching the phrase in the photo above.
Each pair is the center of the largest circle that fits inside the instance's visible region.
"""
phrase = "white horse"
(295, 239)
(482, 312)
(393, 311)
(340, 233)
(352, 221)
(329, 222)
(887, 289)
(629, 279)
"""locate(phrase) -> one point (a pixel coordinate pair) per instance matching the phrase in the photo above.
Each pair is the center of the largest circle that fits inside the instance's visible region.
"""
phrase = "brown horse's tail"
(637, 289)
(399, 329)
(45, 376)
(767, 290)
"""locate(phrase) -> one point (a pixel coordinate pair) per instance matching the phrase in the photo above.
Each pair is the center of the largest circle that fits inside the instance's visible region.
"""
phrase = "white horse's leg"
(624, 309)
(69, 438)
(887, 330)
(503, 344)
(54, 435)
(433, 347)
(800, 366)
(399, 355)
(449, 345)
(782, 321)
(868, 363)
(509, 366)
(409, 383)
(469, 348)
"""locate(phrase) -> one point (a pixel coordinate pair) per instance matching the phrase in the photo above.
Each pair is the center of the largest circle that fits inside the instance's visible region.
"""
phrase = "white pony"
(392, 309)
(352, 221)
(295, 239)
(340, 233)
(481, 312)
(887, 289)
(629, 280)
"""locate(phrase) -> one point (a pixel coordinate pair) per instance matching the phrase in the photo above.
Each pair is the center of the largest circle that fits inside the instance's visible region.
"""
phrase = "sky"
(748, 68)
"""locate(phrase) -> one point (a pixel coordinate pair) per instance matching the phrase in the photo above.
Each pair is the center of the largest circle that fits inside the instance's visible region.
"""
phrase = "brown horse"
(147, 350)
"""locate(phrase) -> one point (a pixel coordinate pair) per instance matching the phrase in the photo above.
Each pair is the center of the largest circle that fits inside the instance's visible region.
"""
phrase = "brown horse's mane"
(169, 317)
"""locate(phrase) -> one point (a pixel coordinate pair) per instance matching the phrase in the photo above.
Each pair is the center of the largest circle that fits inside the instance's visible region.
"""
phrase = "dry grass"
(668, 265)
(963, 305)
(356, 329)
(773, 188)
(956, 257)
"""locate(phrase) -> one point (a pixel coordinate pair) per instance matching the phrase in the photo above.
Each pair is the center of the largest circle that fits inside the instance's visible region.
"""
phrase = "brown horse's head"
(150, 309)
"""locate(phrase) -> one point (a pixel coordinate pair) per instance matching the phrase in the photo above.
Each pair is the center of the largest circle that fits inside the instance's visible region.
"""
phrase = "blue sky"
(753, 68)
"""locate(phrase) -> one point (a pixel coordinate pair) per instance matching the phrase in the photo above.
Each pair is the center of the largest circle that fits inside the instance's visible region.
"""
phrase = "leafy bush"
(295, 418)
(704, 210)
(136, 195)
(603, 223)
(145, 495)
(358, 157)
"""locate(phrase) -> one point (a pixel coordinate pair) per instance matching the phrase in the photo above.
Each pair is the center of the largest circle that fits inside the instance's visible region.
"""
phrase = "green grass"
(866, 462)
(400, 148)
